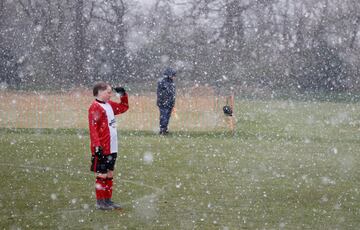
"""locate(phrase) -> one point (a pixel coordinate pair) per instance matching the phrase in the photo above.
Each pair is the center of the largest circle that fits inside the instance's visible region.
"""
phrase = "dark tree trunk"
(80, 44)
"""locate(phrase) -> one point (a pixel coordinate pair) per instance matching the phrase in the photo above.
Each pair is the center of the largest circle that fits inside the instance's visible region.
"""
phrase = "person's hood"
(169, 72)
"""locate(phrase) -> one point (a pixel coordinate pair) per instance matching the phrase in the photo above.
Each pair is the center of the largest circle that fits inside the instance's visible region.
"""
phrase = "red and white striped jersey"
(102, 124)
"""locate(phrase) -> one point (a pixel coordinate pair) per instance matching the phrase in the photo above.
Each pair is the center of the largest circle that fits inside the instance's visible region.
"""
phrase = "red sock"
(100, 187)
(108, 191)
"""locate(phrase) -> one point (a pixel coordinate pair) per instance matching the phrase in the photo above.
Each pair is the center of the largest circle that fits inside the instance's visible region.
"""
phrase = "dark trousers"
(165, 114)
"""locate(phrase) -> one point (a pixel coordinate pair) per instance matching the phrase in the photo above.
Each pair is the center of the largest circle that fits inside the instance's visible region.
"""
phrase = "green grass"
(290, 165)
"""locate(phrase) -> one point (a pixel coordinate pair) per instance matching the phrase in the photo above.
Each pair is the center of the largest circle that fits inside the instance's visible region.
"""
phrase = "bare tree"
(81, 24)
(267, 41)
(112, 12)
(48, 19)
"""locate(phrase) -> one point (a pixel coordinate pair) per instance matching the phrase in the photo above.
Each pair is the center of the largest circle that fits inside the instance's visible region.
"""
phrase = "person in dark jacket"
(166, 92)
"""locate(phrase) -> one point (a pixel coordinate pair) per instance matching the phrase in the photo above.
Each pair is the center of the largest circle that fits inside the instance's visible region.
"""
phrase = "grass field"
(290, 165)
(69, 110)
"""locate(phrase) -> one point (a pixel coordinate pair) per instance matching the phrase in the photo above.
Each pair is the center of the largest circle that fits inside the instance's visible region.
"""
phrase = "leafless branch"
(104, 19)
(26, 10)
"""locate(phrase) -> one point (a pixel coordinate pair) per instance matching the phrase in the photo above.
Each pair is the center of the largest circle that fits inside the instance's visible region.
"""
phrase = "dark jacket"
(166, 92)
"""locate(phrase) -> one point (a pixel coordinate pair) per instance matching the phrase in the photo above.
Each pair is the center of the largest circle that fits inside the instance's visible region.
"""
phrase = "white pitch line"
(158, 191)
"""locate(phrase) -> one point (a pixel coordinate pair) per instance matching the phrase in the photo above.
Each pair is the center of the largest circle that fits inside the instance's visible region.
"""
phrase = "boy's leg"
(108, 192)
(101, 193)
(109, 181)
(98, 166)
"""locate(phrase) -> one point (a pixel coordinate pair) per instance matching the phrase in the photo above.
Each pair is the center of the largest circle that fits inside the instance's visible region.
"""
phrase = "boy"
(103, 140)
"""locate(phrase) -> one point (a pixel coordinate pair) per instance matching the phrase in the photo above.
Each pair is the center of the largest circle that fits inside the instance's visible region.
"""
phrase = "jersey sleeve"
(121, 107)
(94, 117)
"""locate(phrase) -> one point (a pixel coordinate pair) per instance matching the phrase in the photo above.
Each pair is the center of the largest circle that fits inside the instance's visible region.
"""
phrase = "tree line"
(279, 45)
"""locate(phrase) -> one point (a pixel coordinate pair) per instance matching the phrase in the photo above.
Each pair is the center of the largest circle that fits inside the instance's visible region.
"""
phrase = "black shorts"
(104, 164)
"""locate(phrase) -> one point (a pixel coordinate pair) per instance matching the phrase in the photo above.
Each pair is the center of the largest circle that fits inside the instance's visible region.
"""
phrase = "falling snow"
(287, 158)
